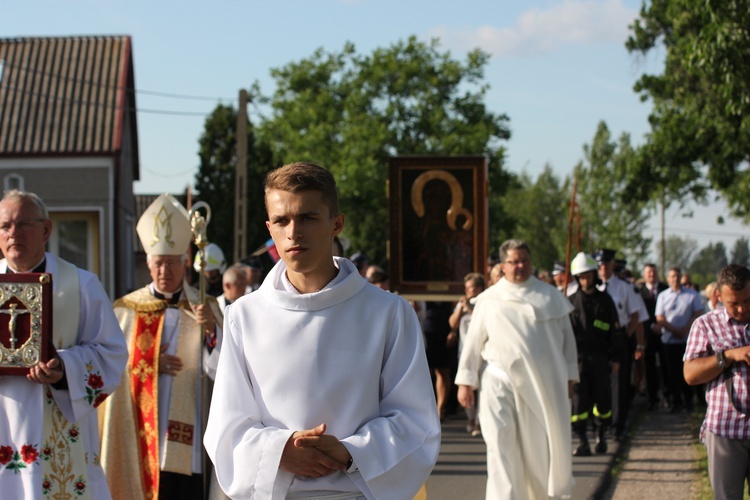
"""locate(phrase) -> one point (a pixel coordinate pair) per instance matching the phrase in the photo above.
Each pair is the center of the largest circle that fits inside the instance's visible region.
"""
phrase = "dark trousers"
(623, 387)
(654, 360)
(592, 396)
(173, 486)
(682, 393)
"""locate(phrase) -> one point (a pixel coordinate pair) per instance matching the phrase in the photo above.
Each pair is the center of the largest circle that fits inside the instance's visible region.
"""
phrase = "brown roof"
(65, 95)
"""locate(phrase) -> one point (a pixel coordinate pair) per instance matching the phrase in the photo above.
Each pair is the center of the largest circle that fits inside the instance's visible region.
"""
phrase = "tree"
(678, 252)
(707, 263)
(700, 125)
(215, 179)
(351, 112)
(538, 211)
(610, 219)
(741, 252)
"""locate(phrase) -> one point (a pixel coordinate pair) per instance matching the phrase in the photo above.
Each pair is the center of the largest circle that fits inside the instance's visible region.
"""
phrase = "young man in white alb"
(322, 389)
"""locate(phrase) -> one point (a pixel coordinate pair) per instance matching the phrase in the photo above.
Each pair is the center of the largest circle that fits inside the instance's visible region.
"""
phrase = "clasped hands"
(313, 453)
(47, 373)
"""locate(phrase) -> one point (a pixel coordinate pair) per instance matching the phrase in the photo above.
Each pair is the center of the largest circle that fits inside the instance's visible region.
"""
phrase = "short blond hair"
(304, 176)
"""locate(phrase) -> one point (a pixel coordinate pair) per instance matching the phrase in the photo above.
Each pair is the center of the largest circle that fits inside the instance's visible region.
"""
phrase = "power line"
(694, 231)
(184, 96)
(170, 175)
(95, 83)
(83, 102)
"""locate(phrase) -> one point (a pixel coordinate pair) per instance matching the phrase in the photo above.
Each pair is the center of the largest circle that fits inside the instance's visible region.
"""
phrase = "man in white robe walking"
(520, 352)
(49, 437)
(322, 389)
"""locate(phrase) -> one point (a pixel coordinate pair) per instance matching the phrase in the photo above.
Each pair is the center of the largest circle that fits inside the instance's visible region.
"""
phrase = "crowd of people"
(314, 381)
(630, 336)
(306, 383)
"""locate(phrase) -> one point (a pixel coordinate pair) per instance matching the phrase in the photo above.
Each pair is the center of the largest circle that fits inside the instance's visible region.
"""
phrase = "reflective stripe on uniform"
(602, 415)
(579, 417)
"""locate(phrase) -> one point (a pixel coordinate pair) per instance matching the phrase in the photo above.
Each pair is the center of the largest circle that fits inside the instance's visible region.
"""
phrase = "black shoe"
(583, 450)
(601, 447)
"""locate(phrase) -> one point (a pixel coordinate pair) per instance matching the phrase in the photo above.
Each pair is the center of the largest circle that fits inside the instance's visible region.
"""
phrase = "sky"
(557, 69)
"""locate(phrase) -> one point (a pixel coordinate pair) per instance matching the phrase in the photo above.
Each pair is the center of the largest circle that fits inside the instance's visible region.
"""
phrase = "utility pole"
(240, 182)
(663, 238)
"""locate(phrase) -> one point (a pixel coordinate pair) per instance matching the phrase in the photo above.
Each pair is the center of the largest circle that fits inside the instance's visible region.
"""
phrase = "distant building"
(68, 132)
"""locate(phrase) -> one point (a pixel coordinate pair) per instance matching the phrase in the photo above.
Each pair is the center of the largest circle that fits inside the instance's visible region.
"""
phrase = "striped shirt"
(712, 332)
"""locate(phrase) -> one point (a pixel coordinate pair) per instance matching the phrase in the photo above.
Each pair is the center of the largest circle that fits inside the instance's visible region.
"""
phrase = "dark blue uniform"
(598, 338)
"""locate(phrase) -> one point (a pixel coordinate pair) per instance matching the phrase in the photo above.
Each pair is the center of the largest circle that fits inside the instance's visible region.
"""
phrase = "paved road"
(461, 471)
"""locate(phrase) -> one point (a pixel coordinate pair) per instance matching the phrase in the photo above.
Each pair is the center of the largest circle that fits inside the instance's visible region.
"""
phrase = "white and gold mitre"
(164, 228)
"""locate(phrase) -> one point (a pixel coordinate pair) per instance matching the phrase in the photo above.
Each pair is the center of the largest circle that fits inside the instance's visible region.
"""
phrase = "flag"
(269, 247)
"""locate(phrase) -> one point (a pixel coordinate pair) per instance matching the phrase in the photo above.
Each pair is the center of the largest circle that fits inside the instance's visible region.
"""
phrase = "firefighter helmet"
(582, 263)
(215, 260)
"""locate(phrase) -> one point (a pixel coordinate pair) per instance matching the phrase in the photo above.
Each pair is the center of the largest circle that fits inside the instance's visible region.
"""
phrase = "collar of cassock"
(38, 269)
(170, 298)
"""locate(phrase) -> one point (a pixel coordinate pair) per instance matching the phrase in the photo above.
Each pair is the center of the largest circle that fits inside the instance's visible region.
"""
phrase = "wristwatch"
(721, 359)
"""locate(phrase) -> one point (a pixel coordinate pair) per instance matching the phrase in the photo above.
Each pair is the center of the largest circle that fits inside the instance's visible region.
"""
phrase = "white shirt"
(627, 300)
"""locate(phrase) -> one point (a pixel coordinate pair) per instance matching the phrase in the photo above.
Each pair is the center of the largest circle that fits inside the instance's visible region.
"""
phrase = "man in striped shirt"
(717, 354)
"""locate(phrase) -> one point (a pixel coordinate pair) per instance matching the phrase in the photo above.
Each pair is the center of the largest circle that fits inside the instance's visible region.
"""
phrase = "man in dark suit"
(649, 289)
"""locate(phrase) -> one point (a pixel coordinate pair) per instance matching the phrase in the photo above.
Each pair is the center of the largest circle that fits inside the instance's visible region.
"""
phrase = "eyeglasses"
(20, 225)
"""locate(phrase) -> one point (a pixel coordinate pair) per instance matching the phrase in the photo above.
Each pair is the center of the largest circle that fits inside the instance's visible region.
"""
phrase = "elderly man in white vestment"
(323, 389)
(152, 428)
(520, 352)
(49, 437)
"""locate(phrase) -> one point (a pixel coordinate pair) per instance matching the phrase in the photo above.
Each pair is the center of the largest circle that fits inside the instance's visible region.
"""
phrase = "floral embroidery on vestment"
(94, 383)
(14, 460)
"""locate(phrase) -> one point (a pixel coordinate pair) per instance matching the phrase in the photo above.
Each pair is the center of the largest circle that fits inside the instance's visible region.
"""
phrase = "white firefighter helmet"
(215, 260)
(582, 263)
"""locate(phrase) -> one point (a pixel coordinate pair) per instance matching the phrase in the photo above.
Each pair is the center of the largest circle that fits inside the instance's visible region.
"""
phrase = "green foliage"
(741, 252)
(538, 212)
(611, 218)
(678, 252)
(708, 261)
(215, 180)
(351, 112)
(701, 120)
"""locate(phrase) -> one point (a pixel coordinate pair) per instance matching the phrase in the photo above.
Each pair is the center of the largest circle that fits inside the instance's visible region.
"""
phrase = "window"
(13, 181)
(75, 238)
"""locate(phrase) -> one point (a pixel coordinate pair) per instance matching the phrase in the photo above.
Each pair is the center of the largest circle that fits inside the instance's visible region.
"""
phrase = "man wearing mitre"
(152, 428)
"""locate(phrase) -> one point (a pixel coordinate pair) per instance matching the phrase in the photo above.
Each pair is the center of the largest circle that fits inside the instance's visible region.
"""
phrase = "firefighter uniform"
(597, 330)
